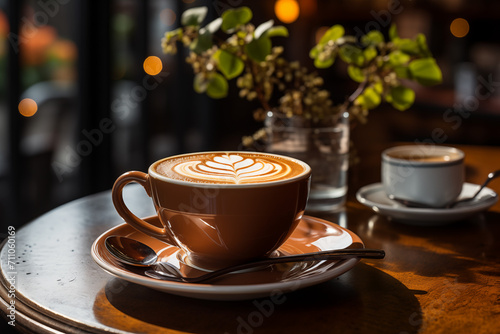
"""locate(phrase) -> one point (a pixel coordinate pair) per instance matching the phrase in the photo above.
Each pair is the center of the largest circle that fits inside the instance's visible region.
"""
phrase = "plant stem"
(258, 88)
(355, 94)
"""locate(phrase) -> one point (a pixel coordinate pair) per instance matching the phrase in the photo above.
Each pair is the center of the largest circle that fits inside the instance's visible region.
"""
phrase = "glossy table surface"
(435, 279)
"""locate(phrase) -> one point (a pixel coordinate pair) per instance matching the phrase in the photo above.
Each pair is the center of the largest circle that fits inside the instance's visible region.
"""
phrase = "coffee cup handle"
(127, 215)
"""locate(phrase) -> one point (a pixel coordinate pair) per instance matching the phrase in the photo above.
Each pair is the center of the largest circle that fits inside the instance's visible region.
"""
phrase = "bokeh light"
(27, 107)
(63, 50)
(152, 65)
(167, 16)
(287, 11)
(36, 43)
(4, 24)
(459, 27)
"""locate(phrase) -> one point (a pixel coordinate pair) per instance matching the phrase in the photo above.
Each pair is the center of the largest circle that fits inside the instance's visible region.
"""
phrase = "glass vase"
(325, 148)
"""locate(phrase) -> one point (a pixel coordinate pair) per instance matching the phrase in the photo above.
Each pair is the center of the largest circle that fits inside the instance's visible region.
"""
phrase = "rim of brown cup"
(305, 174)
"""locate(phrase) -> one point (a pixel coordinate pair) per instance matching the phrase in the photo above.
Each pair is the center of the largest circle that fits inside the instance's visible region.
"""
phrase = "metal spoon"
(413, 204)
(135, 253)
(490, 177)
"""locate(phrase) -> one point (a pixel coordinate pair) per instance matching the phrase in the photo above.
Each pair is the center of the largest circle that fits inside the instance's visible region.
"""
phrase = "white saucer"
(311, 235)
(374, 197)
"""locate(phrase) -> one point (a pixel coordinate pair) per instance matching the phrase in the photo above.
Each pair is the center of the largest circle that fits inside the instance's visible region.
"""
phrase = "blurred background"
(77, 108)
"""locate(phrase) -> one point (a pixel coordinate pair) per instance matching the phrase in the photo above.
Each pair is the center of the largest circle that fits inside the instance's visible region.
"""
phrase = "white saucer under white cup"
(374, 197)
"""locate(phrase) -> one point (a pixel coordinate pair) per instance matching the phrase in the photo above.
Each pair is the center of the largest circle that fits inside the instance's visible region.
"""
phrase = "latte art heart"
(233, 169)
(229, 168)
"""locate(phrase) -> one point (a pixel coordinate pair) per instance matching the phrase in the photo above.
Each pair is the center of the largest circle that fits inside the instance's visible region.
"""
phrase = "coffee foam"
(229, 168)
(431, 155)
(425, 158)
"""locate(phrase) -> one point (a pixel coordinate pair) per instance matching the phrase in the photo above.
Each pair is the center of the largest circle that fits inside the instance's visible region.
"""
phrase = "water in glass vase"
(325, 149)
(329, 183)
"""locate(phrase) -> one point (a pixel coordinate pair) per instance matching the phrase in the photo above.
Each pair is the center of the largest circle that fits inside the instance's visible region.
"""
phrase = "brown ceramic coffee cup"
(221, 208)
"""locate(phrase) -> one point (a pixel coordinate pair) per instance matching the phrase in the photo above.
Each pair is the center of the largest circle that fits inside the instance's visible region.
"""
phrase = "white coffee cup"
(429, 174)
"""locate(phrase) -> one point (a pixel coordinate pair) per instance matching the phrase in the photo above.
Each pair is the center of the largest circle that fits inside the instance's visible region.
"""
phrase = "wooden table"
(433, 280)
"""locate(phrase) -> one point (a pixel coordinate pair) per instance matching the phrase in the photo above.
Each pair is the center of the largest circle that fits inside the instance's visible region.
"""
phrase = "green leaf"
(408, 46)
(370, 99)
(401, 97)
(402, 72)
(332, 34)
(173, 33)
(232, 18)
(314, 53)
(324, 63)
(212, 27)
(355, 73)
(277, 31)
(422, 44)
(202, 43)
(370, 53)
(374, 37)
(200, 83)
(217, 86)
(258, 49)
(194, 16)
(262, 28)
(351, 55)
(229, 64)
(393, 32)
(398, 58)
(378, 87)
(241, 34)
(425, 71)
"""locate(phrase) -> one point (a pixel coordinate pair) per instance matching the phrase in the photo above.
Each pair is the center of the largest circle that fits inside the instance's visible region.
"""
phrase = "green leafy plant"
(379, 66)
(232, 48)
